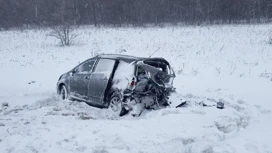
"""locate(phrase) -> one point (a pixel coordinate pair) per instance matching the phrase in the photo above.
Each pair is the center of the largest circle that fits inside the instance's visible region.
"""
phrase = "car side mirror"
(73, 72)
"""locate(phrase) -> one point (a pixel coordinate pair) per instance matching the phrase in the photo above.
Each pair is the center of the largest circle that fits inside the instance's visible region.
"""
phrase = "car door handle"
(105, 78)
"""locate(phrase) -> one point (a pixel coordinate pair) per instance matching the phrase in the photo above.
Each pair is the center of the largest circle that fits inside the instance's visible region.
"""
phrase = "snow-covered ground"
(231, 64)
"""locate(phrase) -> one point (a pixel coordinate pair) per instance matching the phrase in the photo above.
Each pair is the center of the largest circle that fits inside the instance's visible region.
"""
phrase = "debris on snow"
(31, 82)
(5, 104)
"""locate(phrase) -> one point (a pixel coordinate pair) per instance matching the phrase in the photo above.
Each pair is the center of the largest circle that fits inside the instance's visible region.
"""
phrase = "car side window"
(105, 65)
(85, 67)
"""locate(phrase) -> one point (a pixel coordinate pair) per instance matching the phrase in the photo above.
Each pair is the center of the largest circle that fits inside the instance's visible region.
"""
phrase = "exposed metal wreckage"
(149, 88)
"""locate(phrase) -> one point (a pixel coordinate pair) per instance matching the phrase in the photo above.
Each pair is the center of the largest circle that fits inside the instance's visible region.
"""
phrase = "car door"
(100, 79)
(80, 78)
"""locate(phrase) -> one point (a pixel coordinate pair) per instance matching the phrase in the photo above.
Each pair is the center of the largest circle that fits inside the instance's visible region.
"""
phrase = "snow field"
(231, 64)
(66, 126)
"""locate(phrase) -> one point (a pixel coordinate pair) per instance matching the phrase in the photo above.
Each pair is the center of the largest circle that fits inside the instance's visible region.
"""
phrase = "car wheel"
(115, 104)
(63, 92)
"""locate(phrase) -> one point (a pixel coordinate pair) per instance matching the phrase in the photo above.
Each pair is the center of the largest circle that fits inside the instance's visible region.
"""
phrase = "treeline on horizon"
(18, 13)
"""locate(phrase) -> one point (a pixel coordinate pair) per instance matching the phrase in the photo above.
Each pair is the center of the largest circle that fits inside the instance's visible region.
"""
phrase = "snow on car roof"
(133, 58)
(119, 56)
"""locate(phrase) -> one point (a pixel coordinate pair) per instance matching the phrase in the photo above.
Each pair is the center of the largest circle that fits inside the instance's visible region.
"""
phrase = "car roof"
(119, 56)
(127, 57)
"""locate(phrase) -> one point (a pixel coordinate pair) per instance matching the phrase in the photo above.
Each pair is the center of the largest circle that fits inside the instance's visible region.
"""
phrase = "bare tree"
(64, 33)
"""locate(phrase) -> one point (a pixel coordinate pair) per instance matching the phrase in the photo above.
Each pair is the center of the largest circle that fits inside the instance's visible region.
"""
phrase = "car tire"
(63, 92)
(115, 104)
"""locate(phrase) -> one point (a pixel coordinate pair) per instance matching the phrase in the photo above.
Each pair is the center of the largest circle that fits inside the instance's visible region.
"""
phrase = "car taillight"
(132, 83)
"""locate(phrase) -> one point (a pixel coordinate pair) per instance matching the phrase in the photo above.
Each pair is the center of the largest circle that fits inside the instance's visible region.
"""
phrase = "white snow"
(123, 75)
(230, 64)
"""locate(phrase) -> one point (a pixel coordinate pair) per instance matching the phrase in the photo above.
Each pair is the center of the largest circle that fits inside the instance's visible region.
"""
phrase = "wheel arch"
(59, 87)
(110, 95)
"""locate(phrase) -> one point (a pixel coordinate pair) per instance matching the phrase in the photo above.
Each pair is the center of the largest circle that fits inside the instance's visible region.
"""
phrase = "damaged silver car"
(124, 84)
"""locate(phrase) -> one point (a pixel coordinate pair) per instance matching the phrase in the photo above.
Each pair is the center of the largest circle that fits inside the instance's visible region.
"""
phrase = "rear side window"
(86, 67)
(105, 65)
